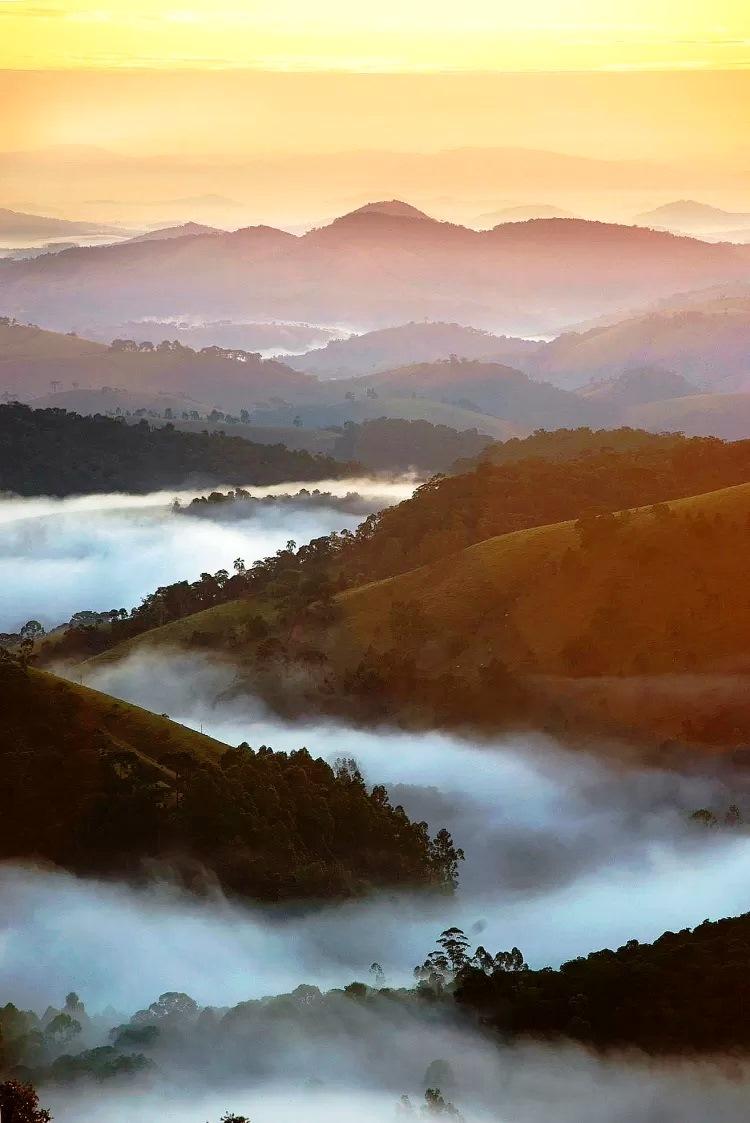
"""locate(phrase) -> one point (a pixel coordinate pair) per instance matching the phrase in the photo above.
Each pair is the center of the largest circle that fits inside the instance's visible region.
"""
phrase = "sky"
(416, 36)
(217, 81)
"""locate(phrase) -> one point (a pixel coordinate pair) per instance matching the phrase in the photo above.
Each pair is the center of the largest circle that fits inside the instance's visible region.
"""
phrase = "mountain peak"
(393, 208)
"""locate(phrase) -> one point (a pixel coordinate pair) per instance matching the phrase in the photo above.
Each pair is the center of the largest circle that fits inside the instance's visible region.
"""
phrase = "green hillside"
(588, 622)
(101, 787)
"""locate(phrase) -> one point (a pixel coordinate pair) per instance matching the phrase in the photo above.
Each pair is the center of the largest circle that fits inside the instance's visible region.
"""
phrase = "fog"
(522, 1084)
(564, 854)
(98, 552)
(566, 851)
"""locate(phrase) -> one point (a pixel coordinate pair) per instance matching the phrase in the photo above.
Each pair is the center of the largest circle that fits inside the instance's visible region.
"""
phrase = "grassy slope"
(511, 595)
(21, 341)
(148, 735)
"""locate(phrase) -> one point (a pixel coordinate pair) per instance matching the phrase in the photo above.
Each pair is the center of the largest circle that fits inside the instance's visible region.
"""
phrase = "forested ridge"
(100, 787)
(684, 995)
(53, 452)
(444, 516)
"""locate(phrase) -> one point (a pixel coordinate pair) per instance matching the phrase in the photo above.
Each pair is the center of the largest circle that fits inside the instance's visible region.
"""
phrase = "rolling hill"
(486, 387)
(471, 602)
(718, 415)
(340, 411)
(15, 226)
(387, 348)
(707, 341)
(374, 267)
(638, 387)
(689, 215)
(98, 786)
(34, 362)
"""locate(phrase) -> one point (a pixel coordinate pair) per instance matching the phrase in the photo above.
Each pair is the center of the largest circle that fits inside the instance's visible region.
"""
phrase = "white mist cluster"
(98, 552)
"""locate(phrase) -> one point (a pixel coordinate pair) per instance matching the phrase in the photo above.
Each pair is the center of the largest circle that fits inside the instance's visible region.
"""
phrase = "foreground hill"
(408, 343)
(99, 786)
(707, 342)
(683, 994)
(32, 362)
(375, 267)
(51, 452)
(473, 602)
(632, 625)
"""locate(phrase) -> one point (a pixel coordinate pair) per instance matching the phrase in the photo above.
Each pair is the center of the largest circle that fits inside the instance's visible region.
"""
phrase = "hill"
(629, 625)
(390, 444)
(34, 362)
(639, 387)
(707, 342)
(408, 343)
(99, 786)
(521, 214)
(186, 230)
(350, 403)
(683, 994)
(485, 387)
(373, 267)
(16, 225)
(718, 415)
(473, 601)
(687, 214)
(571, 444)
(51, 452)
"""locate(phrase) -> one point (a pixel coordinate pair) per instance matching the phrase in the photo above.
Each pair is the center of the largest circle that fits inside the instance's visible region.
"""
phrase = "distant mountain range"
(378, 265)
(521, 214)
(17, 226)
(707, 342)
(689, 215)
(186, 230)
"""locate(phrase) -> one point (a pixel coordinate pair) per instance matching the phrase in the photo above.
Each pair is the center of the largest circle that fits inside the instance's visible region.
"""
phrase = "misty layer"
(95, 553)
(562, 853)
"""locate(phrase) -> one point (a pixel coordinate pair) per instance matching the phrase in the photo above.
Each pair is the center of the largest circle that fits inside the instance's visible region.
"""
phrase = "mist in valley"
(98, 552)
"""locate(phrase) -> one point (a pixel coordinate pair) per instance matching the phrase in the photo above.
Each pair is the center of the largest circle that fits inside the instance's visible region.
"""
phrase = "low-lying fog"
(564, 854)
(98, 552)
(520, 1084)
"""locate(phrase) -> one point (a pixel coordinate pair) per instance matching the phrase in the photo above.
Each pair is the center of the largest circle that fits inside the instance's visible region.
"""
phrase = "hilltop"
(485, 387)
(706, 340)
(34, 361)
(387, 348)
(373, 267)
(102, 787)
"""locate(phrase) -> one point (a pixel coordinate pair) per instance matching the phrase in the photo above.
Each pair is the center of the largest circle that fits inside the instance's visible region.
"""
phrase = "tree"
(62, 1029)
(31, 631)
(19, 1103)
(377, 974)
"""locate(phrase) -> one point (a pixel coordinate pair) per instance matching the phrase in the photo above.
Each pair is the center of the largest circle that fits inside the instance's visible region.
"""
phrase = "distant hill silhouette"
(186, 230)
(34, 362)
(408, 343)
(687, 214)
(374, 267)
(636, 387)
(708, 343)
(16, 224)
(521, 214)
(491, 388)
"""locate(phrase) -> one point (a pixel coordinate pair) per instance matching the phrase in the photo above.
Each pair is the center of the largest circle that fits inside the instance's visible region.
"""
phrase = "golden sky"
(391, 35)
